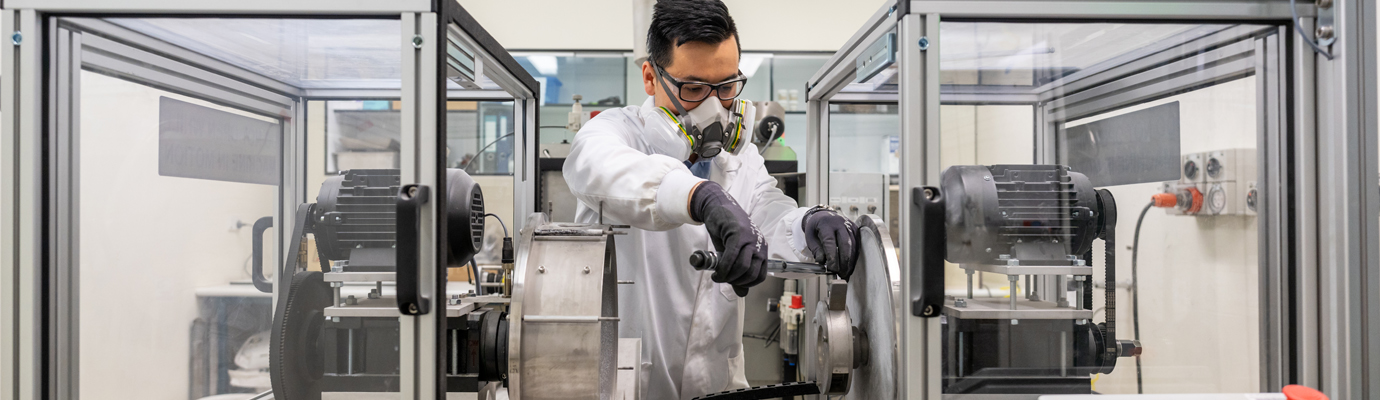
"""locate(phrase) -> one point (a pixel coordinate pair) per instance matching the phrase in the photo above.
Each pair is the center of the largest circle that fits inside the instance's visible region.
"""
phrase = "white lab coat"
(691, 328)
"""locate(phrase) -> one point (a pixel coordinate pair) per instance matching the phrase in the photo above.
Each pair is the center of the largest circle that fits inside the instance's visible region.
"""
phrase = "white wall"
(1199, 276)
(147, 242)
(778, 25)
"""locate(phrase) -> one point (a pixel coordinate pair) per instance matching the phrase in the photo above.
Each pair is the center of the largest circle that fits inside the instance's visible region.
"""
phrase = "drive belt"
(766, 392)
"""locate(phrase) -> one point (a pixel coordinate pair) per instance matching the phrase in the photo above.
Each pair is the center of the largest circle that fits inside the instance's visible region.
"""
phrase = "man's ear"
(648, 78)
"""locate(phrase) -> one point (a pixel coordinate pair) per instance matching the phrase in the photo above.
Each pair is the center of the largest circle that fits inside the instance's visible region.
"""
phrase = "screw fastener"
(17, 38)
(417, 41)
(924, 43)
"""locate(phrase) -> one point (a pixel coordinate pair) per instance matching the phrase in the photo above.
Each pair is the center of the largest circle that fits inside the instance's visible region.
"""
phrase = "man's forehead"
(721, 66)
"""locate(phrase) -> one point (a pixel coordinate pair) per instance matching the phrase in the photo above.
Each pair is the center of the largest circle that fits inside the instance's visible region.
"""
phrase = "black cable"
(500, 223)
(1135, 292)
(465, 166)
(1298, 27)
(474, 280)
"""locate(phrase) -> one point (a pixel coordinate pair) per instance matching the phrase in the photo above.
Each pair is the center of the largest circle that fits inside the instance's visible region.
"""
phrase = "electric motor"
(1037, 214)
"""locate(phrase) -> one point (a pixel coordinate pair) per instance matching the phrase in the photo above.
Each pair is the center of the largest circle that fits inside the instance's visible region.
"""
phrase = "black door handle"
(927, 236)
(411, 198)
(257, 275)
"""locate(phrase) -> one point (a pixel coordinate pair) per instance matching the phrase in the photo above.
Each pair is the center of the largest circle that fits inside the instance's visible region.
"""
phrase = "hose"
(1135, 292)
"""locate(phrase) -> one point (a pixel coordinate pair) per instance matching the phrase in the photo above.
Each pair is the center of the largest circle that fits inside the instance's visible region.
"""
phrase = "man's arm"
(649, 192)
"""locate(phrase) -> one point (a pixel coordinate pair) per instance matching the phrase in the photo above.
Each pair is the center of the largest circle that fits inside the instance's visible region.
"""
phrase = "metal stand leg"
(1013, 279)
(970, 284)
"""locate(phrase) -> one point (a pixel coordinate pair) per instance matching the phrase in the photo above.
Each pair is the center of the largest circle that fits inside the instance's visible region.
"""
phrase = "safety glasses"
(695, 92)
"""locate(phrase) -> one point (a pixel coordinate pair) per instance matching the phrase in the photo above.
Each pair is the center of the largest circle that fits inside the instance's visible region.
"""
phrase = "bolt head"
(1325, 32)
(924, 43)
(541, 269)
(417, 41)
(586, 270)
(986, 177)
(17, 38)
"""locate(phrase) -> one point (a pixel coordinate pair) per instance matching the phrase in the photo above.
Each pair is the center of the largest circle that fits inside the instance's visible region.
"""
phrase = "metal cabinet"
(1254, 290)
(144, 139)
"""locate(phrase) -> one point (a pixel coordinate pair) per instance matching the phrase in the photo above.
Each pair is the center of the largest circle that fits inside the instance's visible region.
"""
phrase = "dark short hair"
(676, 22)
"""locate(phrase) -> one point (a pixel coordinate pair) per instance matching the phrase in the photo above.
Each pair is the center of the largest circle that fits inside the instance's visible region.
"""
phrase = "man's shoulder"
(621, 114)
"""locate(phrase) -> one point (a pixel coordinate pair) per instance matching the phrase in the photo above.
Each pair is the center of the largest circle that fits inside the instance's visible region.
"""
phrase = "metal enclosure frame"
(52, 43)
(1320, 240)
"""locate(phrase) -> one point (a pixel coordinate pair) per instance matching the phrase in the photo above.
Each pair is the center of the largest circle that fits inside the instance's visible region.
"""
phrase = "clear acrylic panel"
(864, 160)
(1191, 298)
(322, 316)
(182, 252)
(1033, 54)
(480, 139)
(306, 53)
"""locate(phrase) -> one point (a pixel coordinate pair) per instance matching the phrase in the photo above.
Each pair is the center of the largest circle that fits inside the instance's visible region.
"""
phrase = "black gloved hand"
(743, 252)
(832, 239)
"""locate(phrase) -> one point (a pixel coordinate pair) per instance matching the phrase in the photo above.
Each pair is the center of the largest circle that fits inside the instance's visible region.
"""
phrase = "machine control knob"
(1191, 169)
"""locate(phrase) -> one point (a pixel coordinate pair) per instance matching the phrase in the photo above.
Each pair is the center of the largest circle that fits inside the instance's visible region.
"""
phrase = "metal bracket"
(1325, 33)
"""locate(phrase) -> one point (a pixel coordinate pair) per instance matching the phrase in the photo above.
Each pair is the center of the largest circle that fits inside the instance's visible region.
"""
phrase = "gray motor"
(1039, 214)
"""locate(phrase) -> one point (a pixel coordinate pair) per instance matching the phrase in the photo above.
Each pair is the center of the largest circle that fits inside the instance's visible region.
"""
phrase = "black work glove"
(832, 239)
(742, 250)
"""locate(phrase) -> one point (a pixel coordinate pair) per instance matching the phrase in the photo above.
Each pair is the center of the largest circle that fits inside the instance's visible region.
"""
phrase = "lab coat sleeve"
(776, 215)
(650, 192)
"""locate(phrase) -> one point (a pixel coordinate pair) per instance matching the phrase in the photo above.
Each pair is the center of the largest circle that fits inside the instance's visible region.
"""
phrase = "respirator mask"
(710, 128)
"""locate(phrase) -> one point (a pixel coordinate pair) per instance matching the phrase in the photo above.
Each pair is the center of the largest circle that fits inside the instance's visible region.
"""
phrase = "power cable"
(1135, 293)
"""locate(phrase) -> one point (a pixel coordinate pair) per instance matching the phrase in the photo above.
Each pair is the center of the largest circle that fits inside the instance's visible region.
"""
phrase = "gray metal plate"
(873, 296)
(200, 142)
(1000, 308)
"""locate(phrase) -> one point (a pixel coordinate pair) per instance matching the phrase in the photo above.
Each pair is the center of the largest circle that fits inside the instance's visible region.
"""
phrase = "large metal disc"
(874, 291)
(296, 360)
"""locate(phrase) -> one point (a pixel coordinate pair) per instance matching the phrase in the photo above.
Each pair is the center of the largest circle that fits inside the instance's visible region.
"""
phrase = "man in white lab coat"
(680, 169)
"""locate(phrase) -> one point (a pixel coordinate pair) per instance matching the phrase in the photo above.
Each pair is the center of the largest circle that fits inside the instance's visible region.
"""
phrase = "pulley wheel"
(297, 363)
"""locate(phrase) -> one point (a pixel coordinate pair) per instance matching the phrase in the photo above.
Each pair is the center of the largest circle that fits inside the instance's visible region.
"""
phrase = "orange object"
(1197, 203)
(1299, 392)
(1165, 200)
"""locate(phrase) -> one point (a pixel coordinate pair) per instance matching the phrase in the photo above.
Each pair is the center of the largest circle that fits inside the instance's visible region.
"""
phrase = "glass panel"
(1026, 54)
(182, 250)
(480, 140)
(306, 53)
(210, 179)
(864, 160)
(1025, 324)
